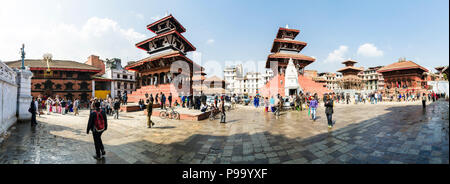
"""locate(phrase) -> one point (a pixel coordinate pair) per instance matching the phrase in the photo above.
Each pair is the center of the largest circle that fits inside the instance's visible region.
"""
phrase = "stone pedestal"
(24, 94)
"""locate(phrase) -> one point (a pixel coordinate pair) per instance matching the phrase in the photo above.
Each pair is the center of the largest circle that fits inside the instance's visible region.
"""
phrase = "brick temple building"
(69, 79)
(288, 66)
(167, 69)
(404, 76)
(350, 79)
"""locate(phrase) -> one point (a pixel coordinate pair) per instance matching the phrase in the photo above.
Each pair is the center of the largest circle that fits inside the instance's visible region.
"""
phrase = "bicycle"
(170, 115)
(214, 112)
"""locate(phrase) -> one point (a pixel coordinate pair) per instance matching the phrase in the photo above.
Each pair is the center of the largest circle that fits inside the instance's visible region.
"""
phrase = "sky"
(227, 32)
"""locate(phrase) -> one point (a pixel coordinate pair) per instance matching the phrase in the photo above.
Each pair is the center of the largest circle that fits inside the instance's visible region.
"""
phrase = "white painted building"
(240, 84)
(122, 80)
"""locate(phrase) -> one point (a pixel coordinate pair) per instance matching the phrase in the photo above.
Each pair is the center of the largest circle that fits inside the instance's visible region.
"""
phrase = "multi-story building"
(248, 84)
(122, 80)
(372, 79)
(332, 80)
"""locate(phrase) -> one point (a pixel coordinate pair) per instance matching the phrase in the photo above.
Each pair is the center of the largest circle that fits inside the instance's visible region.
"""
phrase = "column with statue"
(24, 91)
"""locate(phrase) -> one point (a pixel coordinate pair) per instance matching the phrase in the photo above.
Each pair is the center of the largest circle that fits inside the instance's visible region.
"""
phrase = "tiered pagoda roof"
(168, 36)
(349, 67)
(284, 47)
(166, 47)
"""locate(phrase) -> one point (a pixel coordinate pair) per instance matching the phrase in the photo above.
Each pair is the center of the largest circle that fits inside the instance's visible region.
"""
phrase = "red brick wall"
(96, 62)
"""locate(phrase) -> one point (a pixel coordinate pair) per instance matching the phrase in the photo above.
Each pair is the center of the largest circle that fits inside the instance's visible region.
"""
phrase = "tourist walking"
(151, 98)
(424, 100)
(222, 110)
(170, 100)
(329, 111)
(149, 114)
(163, 100)
(76, 106)
(98, 123)
(33, 110)
(116, 109)
(313, 106)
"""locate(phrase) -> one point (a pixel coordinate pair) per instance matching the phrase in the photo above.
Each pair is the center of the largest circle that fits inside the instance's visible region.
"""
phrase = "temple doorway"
(292, 92)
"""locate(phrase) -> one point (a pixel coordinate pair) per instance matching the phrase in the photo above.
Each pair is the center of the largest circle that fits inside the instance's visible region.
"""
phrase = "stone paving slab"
(385, 133)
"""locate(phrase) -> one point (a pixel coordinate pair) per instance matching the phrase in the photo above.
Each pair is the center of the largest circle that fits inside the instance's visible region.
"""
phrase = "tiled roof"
(350, 68)
(153, 58)
(295, 31)
(293, 56)
(276, 44)
(149, 27)
(197, 67)
(54, 65)
(192, 48)
(214, 78)
(402, 65)
(349, 61)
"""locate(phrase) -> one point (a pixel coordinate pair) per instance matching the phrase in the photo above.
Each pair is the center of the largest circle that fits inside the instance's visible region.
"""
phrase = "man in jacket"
(222, 110)
(116, 109)
(170, 99)
(313, 105)
(149, 114)
(329, 111)
(33, 110)
(97, 113)
(163, 101)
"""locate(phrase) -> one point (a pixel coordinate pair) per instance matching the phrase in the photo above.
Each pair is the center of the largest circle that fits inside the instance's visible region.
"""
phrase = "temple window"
(37, 86)
(84, 86)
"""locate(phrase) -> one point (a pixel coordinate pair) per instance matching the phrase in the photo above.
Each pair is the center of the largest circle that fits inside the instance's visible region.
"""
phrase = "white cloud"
(369, 50)
(99, 36)
(210, 41)
(337, 55)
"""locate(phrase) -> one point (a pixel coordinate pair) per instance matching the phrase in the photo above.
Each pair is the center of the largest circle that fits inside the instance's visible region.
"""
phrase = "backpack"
(99, 123)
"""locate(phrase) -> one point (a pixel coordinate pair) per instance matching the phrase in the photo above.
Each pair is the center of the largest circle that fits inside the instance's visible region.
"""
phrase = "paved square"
(386, 133)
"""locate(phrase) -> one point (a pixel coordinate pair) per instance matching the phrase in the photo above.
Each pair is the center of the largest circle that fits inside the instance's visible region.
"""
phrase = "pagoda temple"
(166, 69)
(404, 76)
(350, 79)
(288, 66)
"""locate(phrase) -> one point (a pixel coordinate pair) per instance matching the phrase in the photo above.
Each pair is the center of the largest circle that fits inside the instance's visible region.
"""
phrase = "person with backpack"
(98, 124)
(116, 109)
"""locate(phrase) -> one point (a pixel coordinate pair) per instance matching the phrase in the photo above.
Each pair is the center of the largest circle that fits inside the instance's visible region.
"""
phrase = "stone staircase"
(306, 84)
(164, 88)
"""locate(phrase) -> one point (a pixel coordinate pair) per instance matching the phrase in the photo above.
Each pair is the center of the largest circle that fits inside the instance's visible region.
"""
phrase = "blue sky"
(371, 32)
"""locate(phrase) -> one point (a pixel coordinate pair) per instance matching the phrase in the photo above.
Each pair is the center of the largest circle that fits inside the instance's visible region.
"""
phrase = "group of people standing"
(55, 105)
(109, 105)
